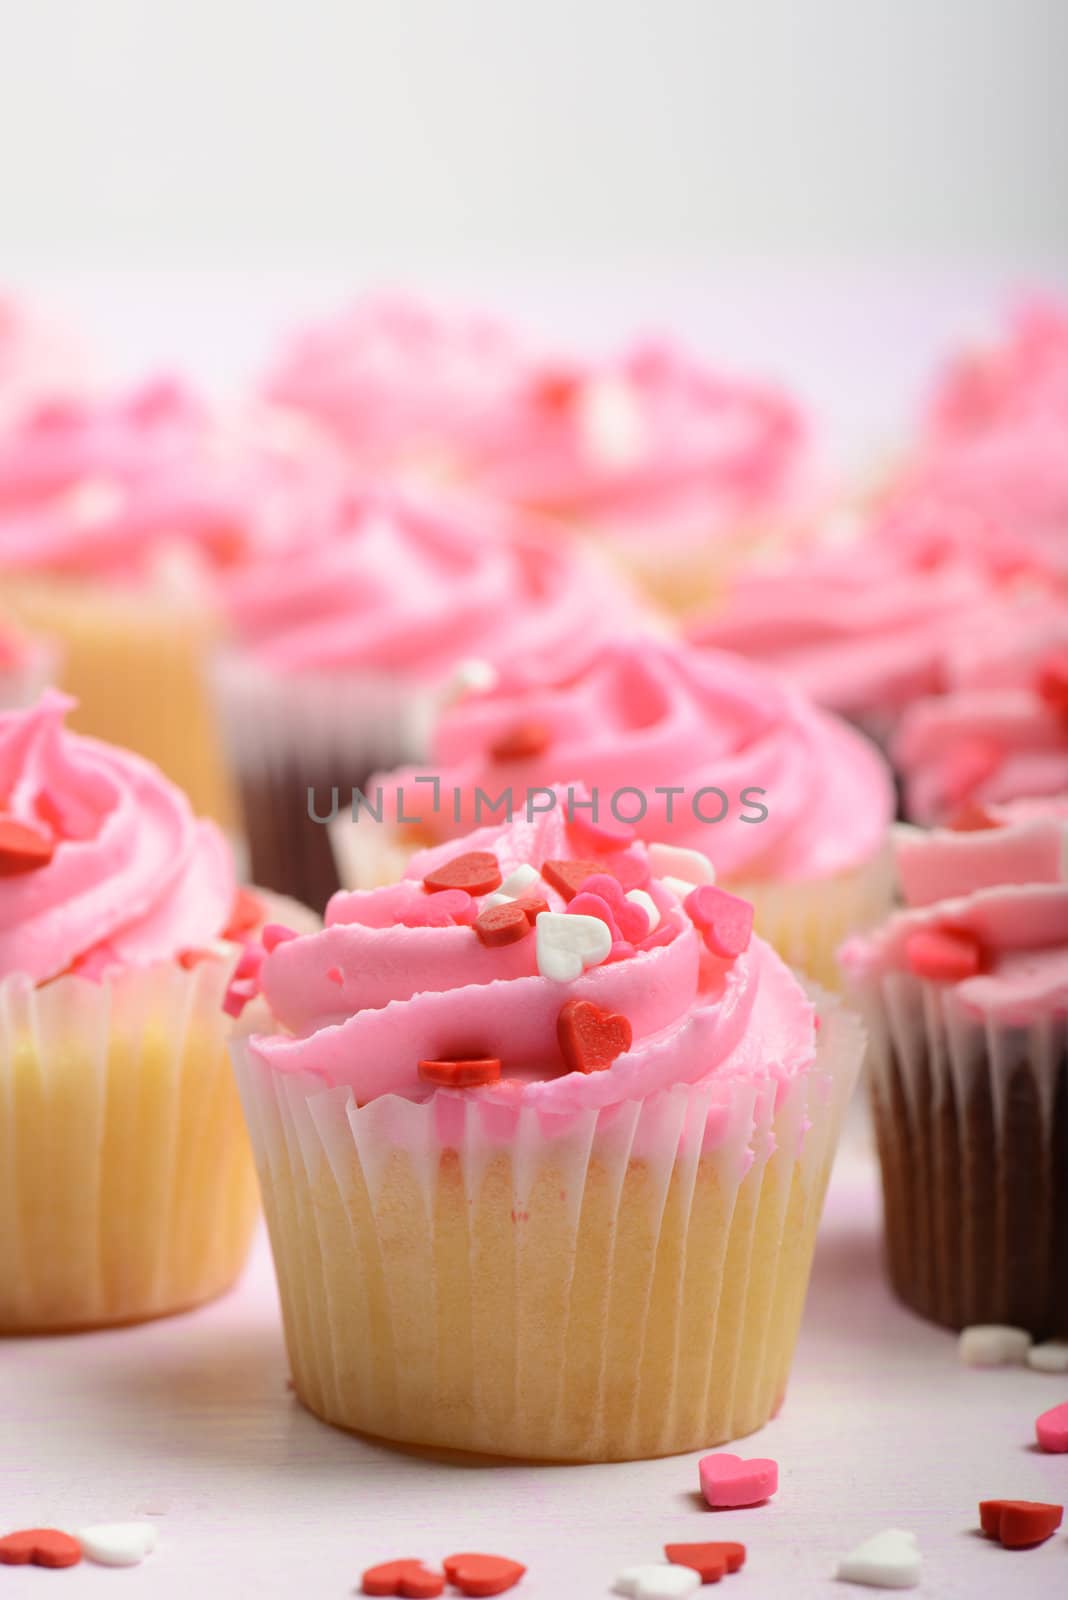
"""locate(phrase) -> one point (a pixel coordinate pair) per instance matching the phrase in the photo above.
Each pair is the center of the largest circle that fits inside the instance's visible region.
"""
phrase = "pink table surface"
(189, 1423)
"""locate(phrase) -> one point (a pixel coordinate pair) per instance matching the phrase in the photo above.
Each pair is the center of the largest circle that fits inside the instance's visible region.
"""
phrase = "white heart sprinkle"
(498, 898)
(566, 945)
(648, 905)
(991, 1345)
(1049, 1357)
(672, 861)
(889, 1560)
(658, 1581)
(118, 1544)
(473, 676)
(519, 879)
(679, 887)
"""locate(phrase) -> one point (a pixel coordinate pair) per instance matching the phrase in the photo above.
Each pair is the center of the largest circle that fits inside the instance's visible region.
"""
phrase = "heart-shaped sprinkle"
(246, 913)
(888, 1560)
(971, 817)
(725, 921)
(657, 1581)
(521, 742)
(1051, 1430)
(460, 1074)
(23, 848)
(445, 909)
(1019, 1523)
(520, 879)
(945, 955)
(606, 833)
(593, 905)
(568, 877)
(275, 934)
(567, 945)
(645, 901)
(710, 1560)
(629, 915)
(408, 1579)
(990, 1344)
(1052, 1356)
(1052, 681)
(43, 1547)
(591, 1039)
(250, 961)
(727, 1480)
(238, 995)
(532, 904)
(473, 676)
(673, 861)
(475, 1574)
(477, 871)
(118, 1544)
(502, 924)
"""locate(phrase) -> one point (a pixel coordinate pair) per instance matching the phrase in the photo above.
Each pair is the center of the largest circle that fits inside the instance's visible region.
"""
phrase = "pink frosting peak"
(378, 990)
(989, 387)
(132, 876)
(393, 584)
(663, 732)
(1003, 886)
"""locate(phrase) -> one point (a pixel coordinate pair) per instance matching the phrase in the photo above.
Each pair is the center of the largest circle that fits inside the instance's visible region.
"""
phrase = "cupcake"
(128, 1191)
(999, 732)
(698, 750)
(27, 664)
(37, 360)
(115, 519)
(344, 647)
(966, 995)
(543, 1151)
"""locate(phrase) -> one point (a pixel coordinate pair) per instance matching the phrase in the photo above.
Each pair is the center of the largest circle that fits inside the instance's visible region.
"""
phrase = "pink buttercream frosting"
(391, 584)
(993, 736)
(378, 990)
(806, 795)
(1007, 885)
(134, 877)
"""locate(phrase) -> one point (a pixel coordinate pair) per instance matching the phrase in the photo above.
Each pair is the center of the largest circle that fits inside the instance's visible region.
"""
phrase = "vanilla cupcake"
(698, 750)
(345, 646)
(966, 996)
(126, 1188)
(543, 1152)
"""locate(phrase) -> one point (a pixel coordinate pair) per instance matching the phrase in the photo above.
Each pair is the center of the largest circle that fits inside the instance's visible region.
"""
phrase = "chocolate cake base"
(289, 851)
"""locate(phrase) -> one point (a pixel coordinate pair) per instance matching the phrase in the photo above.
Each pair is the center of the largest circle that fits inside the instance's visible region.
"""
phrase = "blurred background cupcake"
(697, 750)
(125, 953)
(39, 361)
(346, 643)
(965, 993)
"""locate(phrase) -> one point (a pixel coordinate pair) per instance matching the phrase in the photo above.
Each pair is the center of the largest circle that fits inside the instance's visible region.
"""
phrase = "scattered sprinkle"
(275, 934)
(475, 1574)
(502, 924)
(477, 871)
(41, 1547)
(728, 1480)
(591, 1039)
(461, 1074)
(711, 1560)
(1019, 1523)
(521, 742)
(724, 920)
(657, 1581)
(118, 1544)
(639, 897)
(992, 1345)
(672, 861)
(604, 834)
(568, 877)
(1049, 1357)
(1051, 1430)
(888, 1560)
(567, 945)
(409, 1579)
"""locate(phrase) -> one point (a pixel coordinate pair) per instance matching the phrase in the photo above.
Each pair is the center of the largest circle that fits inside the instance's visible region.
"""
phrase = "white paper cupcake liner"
(972, 1124)
(613, 1284)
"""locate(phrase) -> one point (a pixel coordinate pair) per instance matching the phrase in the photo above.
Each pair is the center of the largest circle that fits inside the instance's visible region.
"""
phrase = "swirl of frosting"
(391, 584)
(377, 991)
(994, 385)
(997, 733)
(131, 877)
(861, 628)
(1005, 886)
(806, 795)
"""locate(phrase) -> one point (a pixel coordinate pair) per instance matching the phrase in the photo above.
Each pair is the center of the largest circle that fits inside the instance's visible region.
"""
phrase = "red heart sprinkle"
(460, 1074)
(724, 920)
(532, 904)
(711, 1560)
(481, 1575)
(590, 1039)
(246, 913)
(504, 924)
(1052, 683)
(44, 1547)
(971, 817)
(477, 871)
(605, 834)
(568, 877)
(521, 742)
(1019, 1523)
(946, 955)
(409, 1579)
(22, 848)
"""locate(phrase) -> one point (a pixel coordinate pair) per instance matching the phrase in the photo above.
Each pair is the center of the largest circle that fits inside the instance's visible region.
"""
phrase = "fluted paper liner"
(126, 1183)
(612, 1284)
(806, 922)
(971, 1119)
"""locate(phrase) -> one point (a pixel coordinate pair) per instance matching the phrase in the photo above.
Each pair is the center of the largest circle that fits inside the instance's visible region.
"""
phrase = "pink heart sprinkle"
(631, 919)
(604, 834)
(593, 905)
(442, 910)
(727, 1480)
(275, 934)
(724, 920)
(1051, 1430)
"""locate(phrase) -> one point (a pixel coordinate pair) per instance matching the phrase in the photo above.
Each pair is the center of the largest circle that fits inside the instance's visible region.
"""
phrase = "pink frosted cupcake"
(346, 645)
(966, 996)
(113, 516)
(696, 750)
(127, 1190)
(37, 361)
(999, 732)
(540, 1182)
(27, 664)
